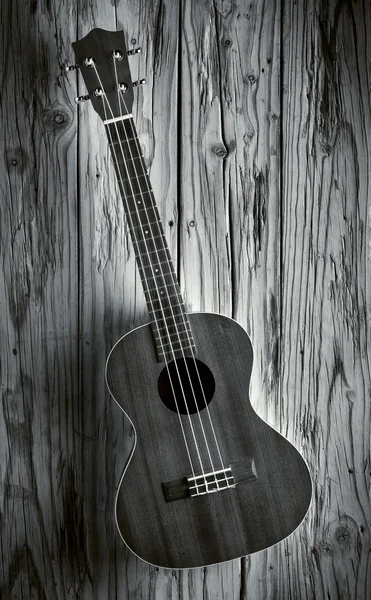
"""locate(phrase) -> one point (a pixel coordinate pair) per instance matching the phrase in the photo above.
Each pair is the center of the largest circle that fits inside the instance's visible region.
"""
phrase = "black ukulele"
(207, 480)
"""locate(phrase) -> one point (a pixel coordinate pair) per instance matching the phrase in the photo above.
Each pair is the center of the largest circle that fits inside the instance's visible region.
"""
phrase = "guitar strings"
(140, 258)
(164, 319)
(217, 481)
(187, 334)
(183, 354)
(160, 299)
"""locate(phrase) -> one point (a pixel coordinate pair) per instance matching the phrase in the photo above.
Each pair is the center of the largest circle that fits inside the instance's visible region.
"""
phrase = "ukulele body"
(274, 489)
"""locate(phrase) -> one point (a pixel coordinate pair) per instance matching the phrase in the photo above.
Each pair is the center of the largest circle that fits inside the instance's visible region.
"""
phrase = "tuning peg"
(134, 51)
(69, 68)
(140, 82)
(79, 99)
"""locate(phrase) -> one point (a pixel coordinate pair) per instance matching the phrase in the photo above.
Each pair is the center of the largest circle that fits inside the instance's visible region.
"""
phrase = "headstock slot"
(96, 56)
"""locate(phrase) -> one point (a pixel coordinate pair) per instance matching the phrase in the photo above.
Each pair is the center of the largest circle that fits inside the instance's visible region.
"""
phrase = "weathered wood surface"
(256, 127)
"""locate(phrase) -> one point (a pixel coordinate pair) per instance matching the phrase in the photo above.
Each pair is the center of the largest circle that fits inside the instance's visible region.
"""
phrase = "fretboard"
(169, 320)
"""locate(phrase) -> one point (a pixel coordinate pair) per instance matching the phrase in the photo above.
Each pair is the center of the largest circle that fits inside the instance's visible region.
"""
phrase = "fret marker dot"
(156, 270)
(146, 232)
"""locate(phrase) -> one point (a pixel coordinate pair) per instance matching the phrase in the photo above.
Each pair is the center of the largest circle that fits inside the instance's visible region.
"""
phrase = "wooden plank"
(112, 300)
(39, 342)
(326, 291)
(230, 184)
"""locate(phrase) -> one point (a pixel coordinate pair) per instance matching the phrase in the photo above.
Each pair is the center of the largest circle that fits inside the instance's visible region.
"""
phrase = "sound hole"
(183, 375)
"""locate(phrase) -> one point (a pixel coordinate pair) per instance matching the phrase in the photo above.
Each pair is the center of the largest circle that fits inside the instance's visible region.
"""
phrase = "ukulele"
(206, 480)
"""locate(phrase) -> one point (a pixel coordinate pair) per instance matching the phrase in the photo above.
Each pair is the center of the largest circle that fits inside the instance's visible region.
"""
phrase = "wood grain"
(326, 302)
(256, 127)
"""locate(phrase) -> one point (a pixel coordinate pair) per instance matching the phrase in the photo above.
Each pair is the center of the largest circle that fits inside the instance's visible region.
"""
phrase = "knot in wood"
(252, 78)
(327, 548)
(59, 118)
(16, 160)
(342, 534)
(56, 119)
(220, 151)
(227, 42)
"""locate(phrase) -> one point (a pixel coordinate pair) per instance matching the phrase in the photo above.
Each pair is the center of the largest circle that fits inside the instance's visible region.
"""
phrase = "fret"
(126, 153)
(121, 131)
(139, 201)
(156, 264)
(164, 300)
(156, 270)
(161, 288)
(162, 235)
(129, 169)
(170, 348)
(138, 206)
(146, 217)
(149, 244)
(147, 231)
(168, 329)
(124, 148)
(146, 260)
(120, 141)
(131, 186)
(173, 315)
(143, 225)
(169, 320)
(160, 292)
(167, 309)
(177, 334)
(129, 158)
(139, 198)
(142, 194)
(123, 179)
(158, 250)
(145, 241)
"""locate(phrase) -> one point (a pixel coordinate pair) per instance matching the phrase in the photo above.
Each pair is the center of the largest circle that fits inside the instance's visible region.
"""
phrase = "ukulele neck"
(169, 320)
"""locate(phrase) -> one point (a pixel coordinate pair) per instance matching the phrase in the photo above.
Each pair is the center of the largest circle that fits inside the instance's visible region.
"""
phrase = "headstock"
(103, 60)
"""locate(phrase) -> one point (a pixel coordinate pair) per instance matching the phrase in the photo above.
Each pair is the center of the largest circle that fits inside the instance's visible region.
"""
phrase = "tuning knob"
(80, 99)
(139, 82)
(69, 68)
(134, 51)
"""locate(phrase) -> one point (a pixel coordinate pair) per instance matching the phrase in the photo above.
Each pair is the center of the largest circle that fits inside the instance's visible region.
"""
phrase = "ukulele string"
(104, 98)
(216, 480)
(124, 197)
(161, 299)
(190, 346)
(177, 331)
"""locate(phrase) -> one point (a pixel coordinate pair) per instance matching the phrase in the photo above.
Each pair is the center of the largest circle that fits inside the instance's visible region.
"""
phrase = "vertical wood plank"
(112, 300)
(326, 292)
(39, 343)
(230, 169)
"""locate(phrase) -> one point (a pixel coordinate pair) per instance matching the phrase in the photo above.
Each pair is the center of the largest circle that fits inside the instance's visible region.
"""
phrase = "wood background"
(256, 127)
